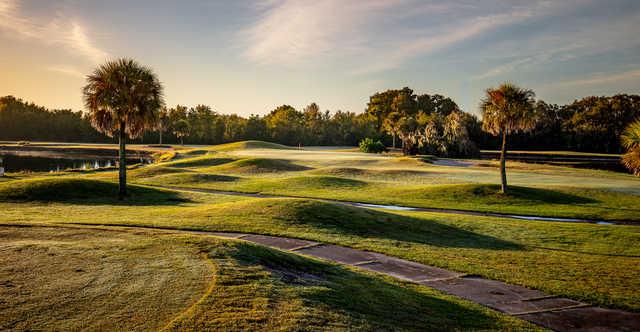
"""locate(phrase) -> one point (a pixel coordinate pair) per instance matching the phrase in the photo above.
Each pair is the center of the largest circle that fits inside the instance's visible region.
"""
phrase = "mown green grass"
(567, 202)
(542, 190)
(560, 153)
(596, 263)
(258, 165)
(198, 161)
(143, 280)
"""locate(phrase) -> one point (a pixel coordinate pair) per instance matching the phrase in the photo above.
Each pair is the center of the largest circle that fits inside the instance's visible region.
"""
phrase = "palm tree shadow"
(547, 195)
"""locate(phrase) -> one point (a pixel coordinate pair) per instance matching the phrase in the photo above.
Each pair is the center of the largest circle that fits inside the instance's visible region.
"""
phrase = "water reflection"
(30, 162)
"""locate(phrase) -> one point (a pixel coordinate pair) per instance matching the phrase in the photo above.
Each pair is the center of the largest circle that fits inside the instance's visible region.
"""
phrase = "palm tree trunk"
(160, 137)
(123, 162)
(503, 162)
(394, 141)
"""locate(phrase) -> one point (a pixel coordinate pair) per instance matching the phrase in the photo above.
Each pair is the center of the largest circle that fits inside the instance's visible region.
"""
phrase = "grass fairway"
(122, 280)
(541, 190)
(599, 264)
(595, 263)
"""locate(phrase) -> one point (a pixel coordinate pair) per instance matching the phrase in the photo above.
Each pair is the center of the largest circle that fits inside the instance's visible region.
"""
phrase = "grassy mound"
(201, 161)
(248, 145)
(151, 171)
(373, 173)
(190, 178)
(320, 182)
(292, 216)
(261, 165)
(194, 152)
(490, 194)
(343, 171)
(71, 189)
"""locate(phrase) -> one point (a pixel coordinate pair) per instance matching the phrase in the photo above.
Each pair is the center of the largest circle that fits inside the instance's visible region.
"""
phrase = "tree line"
(418, 122)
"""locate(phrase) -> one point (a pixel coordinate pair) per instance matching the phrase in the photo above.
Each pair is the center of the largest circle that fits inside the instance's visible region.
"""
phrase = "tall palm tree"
(123, 97)
(631, 141)
(505, 110)
(163, 122)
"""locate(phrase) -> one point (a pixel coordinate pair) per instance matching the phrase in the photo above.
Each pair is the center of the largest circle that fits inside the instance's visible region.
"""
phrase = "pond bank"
(52, 158)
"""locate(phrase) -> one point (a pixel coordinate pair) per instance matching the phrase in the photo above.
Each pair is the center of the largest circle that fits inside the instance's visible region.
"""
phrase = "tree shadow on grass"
(534, 195)
(358, 298)
(85, 192)
(367, 223)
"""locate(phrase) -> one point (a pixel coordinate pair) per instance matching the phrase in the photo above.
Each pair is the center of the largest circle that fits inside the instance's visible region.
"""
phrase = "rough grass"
(71, 279)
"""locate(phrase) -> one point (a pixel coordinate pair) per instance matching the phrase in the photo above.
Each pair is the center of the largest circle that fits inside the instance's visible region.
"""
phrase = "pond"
(48, 161)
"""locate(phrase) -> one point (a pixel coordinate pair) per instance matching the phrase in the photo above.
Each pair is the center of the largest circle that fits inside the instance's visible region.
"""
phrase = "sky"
(248, 57)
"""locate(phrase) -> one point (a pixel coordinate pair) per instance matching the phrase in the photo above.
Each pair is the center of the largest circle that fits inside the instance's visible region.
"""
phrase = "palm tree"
(391, 125)
(163, 122)
(631, 141)
(123, 97)
(181, 129)
(506, 110)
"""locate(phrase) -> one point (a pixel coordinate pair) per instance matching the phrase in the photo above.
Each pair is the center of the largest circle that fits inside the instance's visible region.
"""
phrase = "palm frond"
(508, 108)
(631, 160)
(123, 91)
(631, 136)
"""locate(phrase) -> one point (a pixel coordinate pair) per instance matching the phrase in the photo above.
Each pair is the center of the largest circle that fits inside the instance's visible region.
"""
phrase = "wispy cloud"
(604, 78)
(295, 32)
(66, 70)
(502, 69)
(529, 60)
(58, 31)
(373, 35)
(564, 45)
(441, 38)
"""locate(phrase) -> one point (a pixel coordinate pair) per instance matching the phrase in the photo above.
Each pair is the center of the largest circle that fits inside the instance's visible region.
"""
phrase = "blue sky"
(250, 56)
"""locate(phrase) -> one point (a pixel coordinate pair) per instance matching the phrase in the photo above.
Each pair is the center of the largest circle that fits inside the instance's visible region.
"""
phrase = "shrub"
(368, 145)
